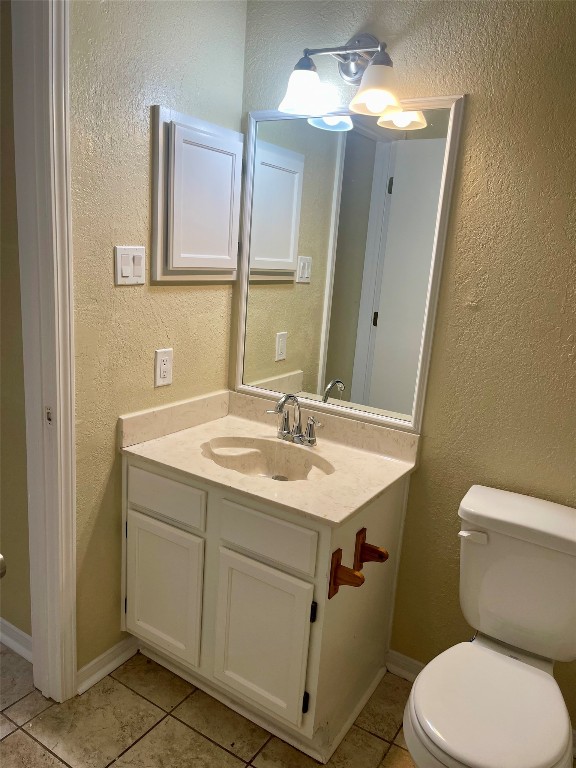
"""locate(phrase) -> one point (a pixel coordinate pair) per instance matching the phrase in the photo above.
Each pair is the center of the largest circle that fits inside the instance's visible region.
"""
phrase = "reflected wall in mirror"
(367, 210)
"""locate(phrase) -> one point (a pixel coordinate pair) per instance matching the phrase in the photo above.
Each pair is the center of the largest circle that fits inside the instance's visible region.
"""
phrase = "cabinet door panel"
(262, 633)
(276, 201)
(204, 200)
(164, 585)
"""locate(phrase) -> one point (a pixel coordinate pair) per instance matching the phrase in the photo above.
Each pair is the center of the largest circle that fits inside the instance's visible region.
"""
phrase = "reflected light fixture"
(404, 121)
(363, 60)
(328, 101)
(332, 122)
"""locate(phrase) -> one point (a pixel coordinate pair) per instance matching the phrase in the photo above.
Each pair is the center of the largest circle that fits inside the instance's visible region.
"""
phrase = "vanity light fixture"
(404, 121)
(362, 60)
(303, 88)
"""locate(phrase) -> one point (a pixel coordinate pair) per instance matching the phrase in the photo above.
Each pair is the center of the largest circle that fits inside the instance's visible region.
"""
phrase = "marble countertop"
(359, 476)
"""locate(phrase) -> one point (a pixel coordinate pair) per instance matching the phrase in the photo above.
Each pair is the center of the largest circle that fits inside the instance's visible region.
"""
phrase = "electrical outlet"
(281, 340)
(163, 367)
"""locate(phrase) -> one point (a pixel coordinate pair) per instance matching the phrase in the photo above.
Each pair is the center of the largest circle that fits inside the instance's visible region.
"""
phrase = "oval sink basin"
(259, 457)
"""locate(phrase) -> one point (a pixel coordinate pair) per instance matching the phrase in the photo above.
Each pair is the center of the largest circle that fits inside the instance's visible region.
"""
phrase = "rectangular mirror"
(342, 247)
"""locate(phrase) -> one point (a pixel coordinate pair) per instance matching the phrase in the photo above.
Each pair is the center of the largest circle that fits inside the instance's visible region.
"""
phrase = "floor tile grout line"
(268, 740)
(168, 711)
(212, 740)
(129, 747)
(30, 718)
(46, 748)
(3, 711)
(362, 728)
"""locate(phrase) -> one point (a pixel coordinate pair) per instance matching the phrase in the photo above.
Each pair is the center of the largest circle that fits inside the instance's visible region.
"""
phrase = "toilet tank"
(518, 571)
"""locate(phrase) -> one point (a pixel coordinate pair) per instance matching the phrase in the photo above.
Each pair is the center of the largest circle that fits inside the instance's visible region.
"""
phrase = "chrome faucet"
(331, 385)
(294, 434)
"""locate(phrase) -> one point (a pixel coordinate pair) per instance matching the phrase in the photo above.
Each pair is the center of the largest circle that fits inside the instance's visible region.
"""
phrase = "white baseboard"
(16, 640)
(98, 668)
(403, 666)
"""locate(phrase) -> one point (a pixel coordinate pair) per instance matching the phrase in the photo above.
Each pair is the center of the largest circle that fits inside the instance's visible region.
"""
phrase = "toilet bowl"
(475, 707)
(493, 702)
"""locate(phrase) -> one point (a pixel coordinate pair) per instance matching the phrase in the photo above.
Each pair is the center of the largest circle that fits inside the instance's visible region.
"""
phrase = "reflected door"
(387, 375)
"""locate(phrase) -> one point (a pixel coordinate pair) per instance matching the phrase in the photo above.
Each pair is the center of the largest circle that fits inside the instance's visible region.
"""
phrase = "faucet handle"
(310, 434)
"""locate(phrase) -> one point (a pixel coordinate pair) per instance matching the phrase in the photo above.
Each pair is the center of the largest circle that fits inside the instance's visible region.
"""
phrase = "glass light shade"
(376, 92)
(404, 121)
(301, 94)
(332, 123)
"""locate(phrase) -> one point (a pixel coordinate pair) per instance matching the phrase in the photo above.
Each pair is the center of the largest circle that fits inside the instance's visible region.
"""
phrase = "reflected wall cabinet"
(276, 203)
(196, 198)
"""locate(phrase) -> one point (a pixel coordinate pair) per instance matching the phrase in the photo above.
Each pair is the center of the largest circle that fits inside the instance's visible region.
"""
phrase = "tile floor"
(142, 716)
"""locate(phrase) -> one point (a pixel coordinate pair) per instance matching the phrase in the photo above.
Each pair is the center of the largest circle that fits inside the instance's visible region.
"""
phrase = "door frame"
(40, 35)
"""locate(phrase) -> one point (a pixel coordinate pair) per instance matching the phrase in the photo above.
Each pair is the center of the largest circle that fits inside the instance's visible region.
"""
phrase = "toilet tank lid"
(522, 517)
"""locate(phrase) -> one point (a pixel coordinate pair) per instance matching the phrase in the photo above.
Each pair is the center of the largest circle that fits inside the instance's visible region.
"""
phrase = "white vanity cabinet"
(231, 592)
(262, 633)
(164, 568)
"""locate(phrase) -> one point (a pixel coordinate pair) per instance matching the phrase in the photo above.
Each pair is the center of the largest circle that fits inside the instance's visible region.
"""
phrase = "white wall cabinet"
(231, 593)
(197, 177)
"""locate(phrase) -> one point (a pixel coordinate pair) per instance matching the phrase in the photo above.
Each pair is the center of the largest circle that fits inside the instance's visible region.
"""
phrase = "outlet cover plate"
(163, 367)
(281, 341)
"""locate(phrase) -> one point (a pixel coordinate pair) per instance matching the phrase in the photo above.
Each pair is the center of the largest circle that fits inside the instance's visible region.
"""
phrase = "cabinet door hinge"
(375, 319)
(305, 702)
(125, 605)
(313, 612)
(126, 529)
(390, 184)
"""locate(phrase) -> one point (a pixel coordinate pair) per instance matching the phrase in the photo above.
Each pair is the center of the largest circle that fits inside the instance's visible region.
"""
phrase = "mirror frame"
(456, 105)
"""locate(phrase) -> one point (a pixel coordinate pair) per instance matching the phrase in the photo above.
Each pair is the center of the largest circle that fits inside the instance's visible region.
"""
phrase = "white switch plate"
(163, 367)
(129, 264)
(304, 269)
(281, 341)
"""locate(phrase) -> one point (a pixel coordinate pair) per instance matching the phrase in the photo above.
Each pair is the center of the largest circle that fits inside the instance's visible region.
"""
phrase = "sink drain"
(279, 477)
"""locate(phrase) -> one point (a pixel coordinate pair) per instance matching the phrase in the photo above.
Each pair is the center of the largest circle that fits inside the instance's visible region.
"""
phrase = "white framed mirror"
(363, 214)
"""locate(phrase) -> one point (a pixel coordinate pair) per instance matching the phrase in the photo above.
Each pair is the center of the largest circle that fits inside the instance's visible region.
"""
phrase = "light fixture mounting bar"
(342, 49)
(353, 58)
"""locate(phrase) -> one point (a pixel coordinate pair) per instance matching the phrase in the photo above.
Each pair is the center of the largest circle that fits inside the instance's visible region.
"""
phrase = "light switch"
(304, 269)
(129, 264)
(126, 261)
(138, 270)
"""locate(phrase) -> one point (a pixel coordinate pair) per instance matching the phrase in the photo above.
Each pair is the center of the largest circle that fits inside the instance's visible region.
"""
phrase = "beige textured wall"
(15, 586)
(125, 57)
(352, 233)
(295, 307)
(500, 405)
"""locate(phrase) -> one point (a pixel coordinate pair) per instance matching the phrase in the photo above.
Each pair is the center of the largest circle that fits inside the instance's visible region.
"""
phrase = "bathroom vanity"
(264, 571)
(240, 583)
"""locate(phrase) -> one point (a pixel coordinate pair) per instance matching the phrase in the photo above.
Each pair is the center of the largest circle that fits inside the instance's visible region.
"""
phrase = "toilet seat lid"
(488, 710)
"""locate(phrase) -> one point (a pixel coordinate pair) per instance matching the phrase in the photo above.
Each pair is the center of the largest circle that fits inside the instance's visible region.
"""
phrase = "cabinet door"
(276, 201)
(204, 199)
(164, 585)
(262, 633)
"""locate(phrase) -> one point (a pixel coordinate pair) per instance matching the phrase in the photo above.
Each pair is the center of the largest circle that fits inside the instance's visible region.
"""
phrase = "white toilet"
(492, 702)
